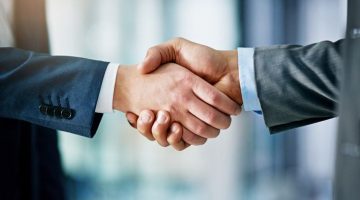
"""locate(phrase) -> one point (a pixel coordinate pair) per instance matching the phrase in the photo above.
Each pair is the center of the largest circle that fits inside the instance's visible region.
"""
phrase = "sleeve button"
(43, 109)
(50, 110)
(67, 113)
(57, 112)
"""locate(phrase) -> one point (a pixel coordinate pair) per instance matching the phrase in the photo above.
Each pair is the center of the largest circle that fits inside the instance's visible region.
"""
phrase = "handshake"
(181, 94)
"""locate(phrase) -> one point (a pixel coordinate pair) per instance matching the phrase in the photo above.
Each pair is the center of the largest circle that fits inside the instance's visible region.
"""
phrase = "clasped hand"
(182, 94)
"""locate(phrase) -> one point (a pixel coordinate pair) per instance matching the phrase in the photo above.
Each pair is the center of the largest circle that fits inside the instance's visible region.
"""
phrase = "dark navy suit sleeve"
(58, 92)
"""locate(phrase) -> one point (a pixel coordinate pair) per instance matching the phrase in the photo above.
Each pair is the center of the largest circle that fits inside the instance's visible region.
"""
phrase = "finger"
(145, 122)
(209, 114)
(132, 119)
(181, 146)
(160, 127)
(164, 53)
(175, 133)
(151, 62)
(156, 56)
(215, 98)
(192, 139)
(198, 127)
(175, 137)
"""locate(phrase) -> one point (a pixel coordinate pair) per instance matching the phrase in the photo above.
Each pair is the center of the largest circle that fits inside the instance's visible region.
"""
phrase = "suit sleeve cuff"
(105, 101)
(247, 79)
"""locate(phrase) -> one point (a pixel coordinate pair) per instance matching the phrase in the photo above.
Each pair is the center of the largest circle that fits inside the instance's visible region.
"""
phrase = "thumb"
(152, 61)
(158, 55)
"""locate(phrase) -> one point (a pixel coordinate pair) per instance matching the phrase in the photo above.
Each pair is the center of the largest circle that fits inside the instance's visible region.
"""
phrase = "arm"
(61, 93)
(58, 92)
(298, 85)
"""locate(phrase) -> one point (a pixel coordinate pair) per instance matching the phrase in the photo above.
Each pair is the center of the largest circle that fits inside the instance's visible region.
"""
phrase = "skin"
(174, 133)
(185, 97)
(219, 68)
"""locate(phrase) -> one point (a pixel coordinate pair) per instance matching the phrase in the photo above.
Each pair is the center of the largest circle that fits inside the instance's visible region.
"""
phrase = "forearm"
(30, 82)
(298, 85)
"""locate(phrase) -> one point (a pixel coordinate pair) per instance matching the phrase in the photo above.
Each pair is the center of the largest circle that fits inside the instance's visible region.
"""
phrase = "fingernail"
(145, 118)
(174, 129)
(161, 118)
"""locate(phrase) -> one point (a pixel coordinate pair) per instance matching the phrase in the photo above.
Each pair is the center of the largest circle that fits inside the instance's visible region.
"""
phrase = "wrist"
(233, 74)
(121, 98)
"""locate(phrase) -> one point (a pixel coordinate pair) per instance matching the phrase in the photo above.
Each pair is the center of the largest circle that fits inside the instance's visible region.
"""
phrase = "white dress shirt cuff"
(247, 79)
(105, 100)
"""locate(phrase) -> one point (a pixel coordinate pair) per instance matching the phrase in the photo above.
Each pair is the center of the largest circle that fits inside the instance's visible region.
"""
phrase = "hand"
(189, 100)
(159, 131)
(217, 67)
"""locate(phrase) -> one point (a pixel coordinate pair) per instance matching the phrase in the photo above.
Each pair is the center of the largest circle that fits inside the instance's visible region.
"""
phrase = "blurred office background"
(244, 162)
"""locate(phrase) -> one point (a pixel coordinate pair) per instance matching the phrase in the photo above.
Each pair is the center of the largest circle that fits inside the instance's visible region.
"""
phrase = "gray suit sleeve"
(298, 85)
(58, 92)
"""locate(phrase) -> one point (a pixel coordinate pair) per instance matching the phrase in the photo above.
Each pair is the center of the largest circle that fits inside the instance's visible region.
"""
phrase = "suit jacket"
(40, 93)
(57, 92)
(300, 85)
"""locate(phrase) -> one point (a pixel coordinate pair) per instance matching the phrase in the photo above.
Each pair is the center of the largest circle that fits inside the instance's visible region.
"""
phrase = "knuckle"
(180, 98)
(214, 97)
(211, 117)
(185, 99)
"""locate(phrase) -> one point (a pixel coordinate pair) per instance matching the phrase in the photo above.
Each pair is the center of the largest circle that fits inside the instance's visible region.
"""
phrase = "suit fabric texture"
(300, 85)
(40, 93)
